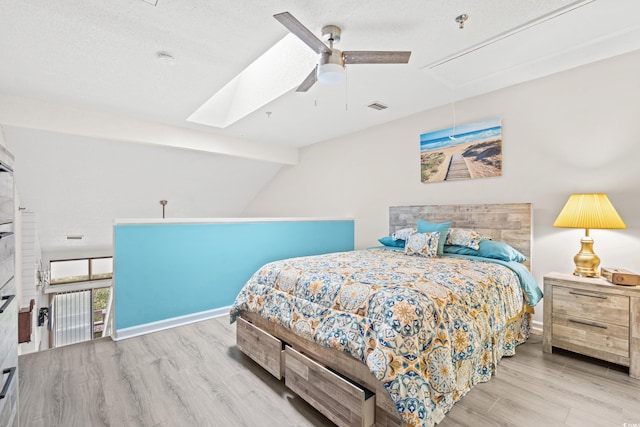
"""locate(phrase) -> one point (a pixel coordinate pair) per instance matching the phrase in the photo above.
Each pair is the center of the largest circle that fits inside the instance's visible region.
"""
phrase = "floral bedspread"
(428, 328)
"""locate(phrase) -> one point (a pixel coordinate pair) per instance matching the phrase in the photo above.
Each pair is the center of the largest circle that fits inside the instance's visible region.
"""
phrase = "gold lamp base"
(586, 260)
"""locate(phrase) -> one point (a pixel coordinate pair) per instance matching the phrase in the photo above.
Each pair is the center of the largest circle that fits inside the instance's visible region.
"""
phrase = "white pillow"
(464, 237)
(423, 244)
(403, 233)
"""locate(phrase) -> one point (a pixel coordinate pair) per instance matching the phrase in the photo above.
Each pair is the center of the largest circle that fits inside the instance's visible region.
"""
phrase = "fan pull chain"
(346, 89)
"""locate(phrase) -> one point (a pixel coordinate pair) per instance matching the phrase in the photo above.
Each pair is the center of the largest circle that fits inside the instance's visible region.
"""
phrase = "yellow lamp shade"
(589, 211)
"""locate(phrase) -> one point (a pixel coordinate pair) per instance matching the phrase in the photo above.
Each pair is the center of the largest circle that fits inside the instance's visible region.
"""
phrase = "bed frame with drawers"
(339, 386)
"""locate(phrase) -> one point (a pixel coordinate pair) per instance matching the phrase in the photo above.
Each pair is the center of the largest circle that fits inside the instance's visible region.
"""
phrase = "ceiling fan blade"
(308, 81)
(302, 32)
(375, 57)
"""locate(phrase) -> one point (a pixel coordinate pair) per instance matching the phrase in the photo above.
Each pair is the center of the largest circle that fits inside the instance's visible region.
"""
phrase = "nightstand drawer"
(591, 305)
(593, 317)
(591, 337)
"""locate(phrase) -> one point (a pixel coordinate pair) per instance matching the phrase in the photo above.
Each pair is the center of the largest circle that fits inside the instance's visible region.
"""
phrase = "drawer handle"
(595, 325)
(587, 295)
(5, 389)
(9, 298)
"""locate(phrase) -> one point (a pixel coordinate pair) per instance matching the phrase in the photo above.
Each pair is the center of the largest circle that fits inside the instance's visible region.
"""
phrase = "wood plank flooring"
(195, 376)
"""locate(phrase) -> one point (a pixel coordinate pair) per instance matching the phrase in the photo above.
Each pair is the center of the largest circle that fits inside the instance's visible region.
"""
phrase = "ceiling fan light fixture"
(330, 68)
(332, 74)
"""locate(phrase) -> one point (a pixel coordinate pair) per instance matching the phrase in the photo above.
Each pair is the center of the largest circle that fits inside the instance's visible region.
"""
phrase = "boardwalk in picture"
(457, 168)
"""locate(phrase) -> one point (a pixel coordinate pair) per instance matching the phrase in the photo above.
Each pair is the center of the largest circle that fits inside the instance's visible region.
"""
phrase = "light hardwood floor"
(195, 376)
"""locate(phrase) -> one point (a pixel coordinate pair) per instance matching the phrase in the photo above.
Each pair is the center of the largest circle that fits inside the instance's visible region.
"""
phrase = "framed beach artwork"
(465, 151)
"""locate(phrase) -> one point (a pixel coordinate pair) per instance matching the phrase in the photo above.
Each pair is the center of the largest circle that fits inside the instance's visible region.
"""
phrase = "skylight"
(276, 72)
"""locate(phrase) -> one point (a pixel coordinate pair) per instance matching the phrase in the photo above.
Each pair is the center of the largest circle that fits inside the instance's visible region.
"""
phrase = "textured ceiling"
(101, 55)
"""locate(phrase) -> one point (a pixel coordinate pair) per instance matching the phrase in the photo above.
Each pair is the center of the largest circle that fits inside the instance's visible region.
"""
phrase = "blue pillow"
(488, 249)
(388, 241)
(429, 227)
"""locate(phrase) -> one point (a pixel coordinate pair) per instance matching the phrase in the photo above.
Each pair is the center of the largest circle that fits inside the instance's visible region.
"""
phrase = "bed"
(379, 337)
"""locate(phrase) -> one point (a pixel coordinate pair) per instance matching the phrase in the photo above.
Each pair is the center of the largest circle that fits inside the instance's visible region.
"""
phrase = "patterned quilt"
(428, 328)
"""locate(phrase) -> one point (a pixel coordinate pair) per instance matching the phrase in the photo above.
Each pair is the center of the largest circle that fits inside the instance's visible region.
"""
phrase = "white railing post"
(106, 331)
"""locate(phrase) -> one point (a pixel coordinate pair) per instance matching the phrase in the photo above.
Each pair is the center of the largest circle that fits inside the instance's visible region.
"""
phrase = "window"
(81, 270)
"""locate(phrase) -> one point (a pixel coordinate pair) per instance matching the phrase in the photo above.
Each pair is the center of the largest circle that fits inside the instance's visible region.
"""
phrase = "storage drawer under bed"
(265, 349)
(342, 401)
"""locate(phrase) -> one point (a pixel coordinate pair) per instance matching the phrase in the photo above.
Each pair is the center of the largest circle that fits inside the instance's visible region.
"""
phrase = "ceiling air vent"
(377, 106)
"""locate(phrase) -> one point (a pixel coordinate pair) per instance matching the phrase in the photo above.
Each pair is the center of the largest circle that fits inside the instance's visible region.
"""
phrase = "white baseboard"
(536, 327)
(148, 328)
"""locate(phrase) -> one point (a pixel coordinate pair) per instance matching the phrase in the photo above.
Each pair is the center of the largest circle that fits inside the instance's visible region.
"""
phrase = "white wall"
(28, 113)
(577, 131)
(79, 185)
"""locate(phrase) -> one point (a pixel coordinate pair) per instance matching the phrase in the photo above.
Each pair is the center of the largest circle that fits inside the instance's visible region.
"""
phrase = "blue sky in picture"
(460, 134)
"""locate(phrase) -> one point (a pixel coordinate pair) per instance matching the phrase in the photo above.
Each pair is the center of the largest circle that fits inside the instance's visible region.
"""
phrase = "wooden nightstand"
(593, 317)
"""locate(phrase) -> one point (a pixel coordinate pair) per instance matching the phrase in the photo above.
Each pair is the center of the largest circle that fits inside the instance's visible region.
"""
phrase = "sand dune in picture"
(482, 158)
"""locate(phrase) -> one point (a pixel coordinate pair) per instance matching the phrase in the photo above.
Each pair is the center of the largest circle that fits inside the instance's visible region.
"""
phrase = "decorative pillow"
(423, 244)
(464, 237)
(488, 249)
(442, 228)
(388, 241)
(403, 233)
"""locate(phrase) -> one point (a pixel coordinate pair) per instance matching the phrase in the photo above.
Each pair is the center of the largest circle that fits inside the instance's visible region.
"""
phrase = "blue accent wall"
(162, 271)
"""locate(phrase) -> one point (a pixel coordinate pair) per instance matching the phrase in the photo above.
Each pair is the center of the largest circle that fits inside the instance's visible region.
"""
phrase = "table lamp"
(588, 211)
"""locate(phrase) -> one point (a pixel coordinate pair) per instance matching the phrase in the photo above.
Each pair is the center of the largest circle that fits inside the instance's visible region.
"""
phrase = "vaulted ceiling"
(103, 56)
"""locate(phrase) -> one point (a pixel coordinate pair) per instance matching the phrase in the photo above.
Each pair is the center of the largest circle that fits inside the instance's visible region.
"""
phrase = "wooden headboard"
(507, 222)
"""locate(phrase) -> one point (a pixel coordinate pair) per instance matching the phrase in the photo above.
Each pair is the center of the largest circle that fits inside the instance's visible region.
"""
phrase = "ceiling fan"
(330, 68)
